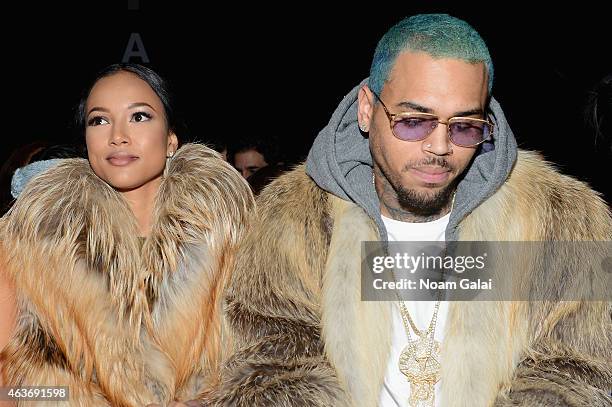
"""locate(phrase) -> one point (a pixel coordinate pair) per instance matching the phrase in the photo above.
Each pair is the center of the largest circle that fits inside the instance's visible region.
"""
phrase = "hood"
(340, 163)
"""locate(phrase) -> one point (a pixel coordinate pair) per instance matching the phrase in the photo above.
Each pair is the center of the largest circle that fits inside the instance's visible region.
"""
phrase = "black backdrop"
(281, 70)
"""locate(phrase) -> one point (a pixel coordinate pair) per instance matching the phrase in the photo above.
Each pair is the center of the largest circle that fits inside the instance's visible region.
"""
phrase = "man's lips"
(431, 175)
(121, 159)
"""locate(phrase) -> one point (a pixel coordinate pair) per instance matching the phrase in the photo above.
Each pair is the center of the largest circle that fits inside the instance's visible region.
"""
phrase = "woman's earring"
(363, 128)
(168, 159)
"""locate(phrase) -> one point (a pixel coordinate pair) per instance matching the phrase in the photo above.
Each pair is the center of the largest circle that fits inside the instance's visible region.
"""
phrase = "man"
(435, 160)
(249, 161)
(250, 154)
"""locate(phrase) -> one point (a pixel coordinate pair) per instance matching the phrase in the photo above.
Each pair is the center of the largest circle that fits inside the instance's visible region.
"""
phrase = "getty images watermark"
(486, 271)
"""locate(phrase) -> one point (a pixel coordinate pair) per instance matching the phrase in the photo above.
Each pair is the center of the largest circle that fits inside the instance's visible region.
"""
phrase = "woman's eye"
(140, 117)
(97, 121)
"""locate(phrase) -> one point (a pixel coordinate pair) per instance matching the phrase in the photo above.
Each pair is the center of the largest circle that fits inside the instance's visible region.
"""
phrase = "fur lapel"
(357, 333)
(202, 212)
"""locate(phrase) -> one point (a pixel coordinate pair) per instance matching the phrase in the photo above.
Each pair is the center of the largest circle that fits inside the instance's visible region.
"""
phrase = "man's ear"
(366, 108)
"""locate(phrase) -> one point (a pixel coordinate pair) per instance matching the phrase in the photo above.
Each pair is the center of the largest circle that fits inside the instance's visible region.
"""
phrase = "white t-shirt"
(396, 388)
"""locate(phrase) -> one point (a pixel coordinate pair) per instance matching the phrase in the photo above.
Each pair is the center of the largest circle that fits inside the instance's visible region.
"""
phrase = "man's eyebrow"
(472, 112)
(414, 106)
(420, 108)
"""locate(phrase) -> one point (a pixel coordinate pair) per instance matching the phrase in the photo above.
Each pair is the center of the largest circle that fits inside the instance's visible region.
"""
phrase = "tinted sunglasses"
(416, 126)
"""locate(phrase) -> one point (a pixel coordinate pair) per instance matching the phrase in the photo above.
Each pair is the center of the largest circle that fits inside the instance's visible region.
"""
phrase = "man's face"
(249, 161)
(424, 173)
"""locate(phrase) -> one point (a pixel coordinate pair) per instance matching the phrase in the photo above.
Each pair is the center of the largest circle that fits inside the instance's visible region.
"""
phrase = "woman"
(118, 261)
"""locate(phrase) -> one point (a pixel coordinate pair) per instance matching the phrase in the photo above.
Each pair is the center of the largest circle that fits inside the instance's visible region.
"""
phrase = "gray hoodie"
(340, 163)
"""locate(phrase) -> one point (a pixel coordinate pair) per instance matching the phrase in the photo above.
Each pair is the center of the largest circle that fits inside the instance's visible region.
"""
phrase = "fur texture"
(123, 321)
(304, 338)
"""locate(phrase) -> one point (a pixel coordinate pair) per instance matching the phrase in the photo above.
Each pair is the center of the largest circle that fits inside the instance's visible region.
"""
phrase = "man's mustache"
(429, 162)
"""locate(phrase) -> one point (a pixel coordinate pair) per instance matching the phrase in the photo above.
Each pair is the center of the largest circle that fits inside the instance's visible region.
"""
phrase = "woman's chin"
(123, 185)
(127, 185)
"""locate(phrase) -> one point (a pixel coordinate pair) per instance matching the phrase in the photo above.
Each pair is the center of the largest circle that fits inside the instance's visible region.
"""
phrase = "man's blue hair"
(439, 35)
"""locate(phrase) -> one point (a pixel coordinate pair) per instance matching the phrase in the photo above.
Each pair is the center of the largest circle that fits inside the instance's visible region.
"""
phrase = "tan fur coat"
(304, 337)
(120, 320)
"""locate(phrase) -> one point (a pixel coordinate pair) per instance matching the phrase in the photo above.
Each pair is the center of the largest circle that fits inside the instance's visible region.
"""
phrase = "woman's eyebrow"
(139, 104)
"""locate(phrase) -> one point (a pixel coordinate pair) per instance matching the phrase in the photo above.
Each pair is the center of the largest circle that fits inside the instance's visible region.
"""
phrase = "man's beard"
(422, 203)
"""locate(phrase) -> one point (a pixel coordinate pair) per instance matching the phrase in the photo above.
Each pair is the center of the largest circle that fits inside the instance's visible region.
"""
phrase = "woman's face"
(126, 132)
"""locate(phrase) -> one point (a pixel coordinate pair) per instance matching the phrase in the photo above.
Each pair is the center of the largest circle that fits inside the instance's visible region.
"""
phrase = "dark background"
(280, 71)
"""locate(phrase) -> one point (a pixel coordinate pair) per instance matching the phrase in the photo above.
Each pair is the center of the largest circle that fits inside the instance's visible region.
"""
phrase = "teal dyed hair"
(439, 35)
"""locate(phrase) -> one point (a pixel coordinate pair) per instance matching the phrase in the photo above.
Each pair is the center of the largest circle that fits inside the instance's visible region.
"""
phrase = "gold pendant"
(420, 363)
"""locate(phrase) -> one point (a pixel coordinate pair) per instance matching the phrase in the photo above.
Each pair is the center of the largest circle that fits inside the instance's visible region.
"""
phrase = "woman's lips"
(431, 175)
(121, 160)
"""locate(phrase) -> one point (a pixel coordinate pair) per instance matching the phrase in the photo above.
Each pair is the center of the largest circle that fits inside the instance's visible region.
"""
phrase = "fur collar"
(69, 219)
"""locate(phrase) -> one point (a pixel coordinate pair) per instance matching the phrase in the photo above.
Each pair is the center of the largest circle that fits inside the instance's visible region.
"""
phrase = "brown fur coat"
(121, 321)
(304, 338)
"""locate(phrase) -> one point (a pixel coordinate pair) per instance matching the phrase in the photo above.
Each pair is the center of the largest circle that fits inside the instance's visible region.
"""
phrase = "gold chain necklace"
(420, 359)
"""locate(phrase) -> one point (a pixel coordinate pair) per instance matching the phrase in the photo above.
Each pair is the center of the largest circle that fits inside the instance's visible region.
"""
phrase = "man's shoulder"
(292, 214)
(293, 192)
(559, 206)
(534, 176)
